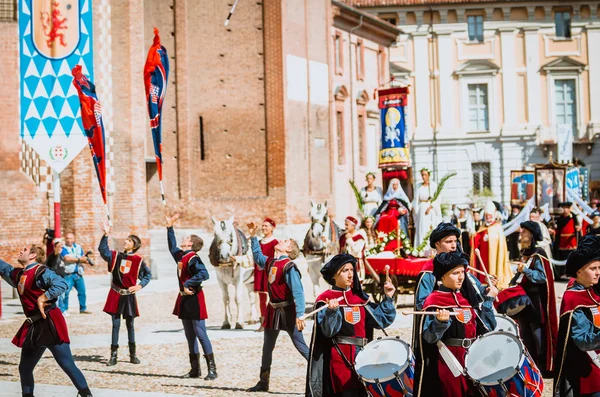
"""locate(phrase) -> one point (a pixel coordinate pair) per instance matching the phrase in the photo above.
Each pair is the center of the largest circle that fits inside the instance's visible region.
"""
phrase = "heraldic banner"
(394, 146)
(54, 36)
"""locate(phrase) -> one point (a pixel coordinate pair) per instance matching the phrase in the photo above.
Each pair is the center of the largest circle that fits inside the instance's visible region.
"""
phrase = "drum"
(512, 300)
(506, 324)
(499, 365)
(386, 366)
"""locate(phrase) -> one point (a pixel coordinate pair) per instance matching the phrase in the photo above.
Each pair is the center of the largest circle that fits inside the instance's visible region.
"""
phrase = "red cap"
(352, 219)
(270, 221)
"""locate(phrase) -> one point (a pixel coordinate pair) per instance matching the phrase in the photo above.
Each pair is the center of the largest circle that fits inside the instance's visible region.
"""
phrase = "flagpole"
(162, 193)
(56, 189)
(108, 214)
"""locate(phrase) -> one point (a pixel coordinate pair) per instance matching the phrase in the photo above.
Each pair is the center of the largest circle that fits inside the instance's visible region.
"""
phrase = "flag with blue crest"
(156, 73)
(91, 118)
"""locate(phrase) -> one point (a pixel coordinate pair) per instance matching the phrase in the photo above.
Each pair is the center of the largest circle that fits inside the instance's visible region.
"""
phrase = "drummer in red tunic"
(444, 238)
(45, 328)
(577, 360)
(126, 268)
(565, 242)
(455, 332)
(267, 246)
(190, 305)
(339, 331)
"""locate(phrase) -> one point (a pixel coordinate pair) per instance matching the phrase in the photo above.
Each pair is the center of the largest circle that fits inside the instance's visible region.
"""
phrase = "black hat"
(595, 214)
(330, 269)
(447, 261)
(444, 229)
(587, 251)
(565, 204)
(534, 228)
(515, 206)
(498, 206)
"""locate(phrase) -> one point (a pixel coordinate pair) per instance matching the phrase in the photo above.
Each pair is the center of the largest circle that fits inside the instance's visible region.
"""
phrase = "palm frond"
(441, 184)
(357, 196)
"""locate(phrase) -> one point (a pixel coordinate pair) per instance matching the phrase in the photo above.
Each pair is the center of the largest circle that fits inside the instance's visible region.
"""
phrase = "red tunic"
(125, 270)
(280, 294)
(568, 233)
(260, 276)
(194, 306)
(354, 326)
(575, 364)
(463, 325)
(52, 330)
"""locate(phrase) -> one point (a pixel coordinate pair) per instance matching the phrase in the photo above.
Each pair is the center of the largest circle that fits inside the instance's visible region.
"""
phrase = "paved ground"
(161, 344)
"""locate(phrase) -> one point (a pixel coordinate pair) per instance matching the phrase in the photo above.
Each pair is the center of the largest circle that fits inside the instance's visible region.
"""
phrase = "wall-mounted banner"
(394, 151)
(54, 36)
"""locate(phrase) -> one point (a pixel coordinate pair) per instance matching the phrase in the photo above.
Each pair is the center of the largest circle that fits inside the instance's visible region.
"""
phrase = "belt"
(345, 340)
(457, 342)
(279, 305)
(38, 317)
(121, 291)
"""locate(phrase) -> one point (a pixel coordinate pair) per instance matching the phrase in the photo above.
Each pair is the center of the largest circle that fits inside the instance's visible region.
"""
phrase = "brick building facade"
(247, 126)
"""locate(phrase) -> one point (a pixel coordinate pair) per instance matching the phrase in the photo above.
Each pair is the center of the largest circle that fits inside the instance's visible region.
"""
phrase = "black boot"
(113, 355)
(212, 367)
(28, 395)
(132, 357)
(195, 372)
(84, 393)
(263, 383)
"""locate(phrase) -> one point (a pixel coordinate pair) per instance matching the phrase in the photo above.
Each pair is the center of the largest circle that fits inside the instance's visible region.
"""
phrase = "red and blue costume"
(37, 333)
(338, 335)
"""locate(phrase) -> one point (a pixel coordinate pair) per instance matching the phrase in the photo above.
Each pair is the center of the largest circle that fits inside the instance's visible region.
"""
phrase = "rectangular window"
(481, 177)
(475, 24)
(565, 102)
(360, 60)
(478, 107)
(8, 10)
(562, 20)
(339, 53)
(362, 140)
(339, 121)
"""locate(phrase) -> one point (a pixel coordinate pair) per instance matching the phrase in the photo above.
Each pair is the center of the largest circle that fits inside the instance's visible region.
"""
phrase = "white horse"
(231, 257)
(314, 249)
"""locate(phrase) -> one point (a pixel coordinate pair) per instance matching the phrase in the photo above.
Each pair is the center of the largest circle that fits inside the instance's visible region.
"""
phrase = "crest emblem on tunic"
(179, 267)
(464, 315)
(125, 266)
(55, 25)
(272, 274)
(21, 285)
(596, 316)
(352, 314)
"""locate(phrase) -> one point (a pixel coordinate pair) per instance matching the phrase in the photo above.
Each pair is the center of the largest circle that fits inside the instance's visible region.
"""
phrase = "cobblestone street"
(161, 345)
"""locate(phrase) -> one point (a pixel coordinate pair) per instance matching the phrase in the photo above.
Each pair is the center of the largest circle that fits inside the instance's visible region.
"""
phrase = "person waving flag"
(156, 73)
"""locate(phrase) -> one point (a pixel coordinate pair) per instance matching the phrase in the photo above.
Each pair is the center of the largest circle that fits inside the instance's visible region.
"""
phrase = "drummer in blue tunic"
(456, 332)
(339, 330)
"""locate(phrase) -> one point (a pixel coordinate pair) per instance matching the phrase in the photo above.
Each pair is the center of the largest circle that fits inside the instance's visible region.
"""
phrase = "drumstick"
(487, 275)
(471, 268)
(318, 310)
(408, 312)
(387, 273)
